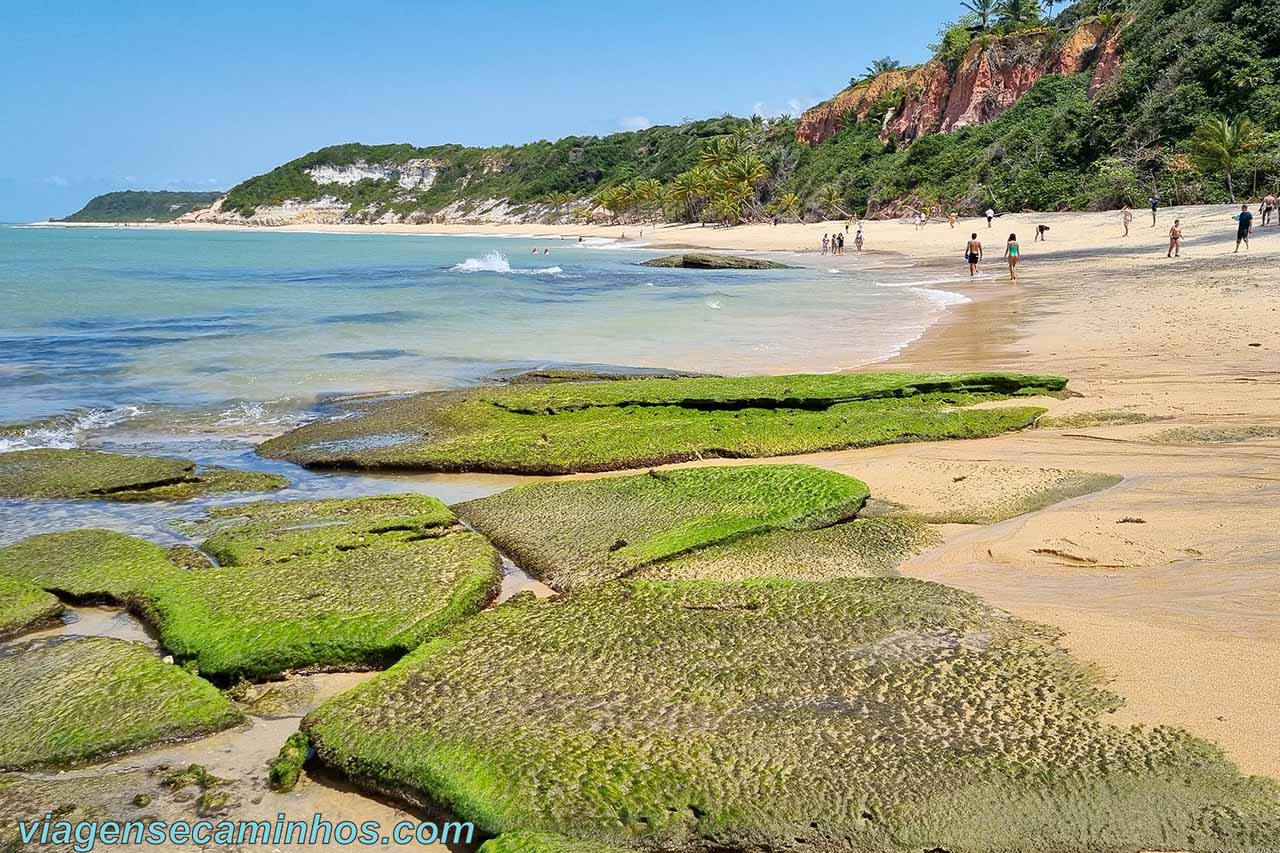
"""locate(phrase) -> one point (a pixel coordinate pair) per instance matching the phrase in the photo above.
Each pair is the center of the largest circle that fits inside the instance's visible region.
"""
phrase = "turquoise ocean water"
(200, 344)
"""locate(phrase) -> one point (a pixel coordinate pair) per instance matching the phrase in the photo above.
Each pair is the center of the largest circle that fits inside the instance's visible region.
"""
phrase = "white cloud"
(634, 122)
(57, 181)
(799, 105)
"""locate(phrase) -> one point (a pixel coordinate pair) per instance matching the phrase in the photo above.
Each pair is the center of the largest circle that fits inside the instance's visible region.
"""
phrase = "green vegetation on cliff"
(142, 206)
(1179, 68)
(868, 714)
(597, 426)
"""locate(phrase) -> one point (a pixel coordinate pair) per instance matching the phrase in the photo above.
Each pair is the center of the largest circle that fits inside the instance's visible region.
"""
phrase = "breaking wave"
(497, 262)
(65, 432)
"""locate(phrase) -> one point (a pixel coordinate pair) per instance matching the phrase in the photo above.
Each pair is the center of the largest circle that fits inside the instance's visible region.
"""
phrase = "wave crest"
(497, 262)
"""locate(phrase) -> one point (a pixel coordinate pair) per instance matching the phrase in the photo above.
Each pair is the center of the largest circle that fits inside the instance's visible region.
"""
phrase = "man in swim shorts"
(973, 253)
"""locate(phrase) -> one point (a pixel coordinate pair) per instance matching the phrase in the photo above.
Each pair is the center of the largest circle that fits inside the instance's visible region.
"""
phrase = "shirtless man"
(1175, 240)
(973, 253)
(1268, 209)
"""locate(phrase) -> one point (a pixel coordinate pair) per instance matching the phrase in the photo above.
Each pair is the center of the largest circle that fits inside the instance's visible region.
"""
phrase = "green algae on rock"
(589, 531)
(325, 584)
(706, 261)
(77, 699)
(24, 606)
(871, 714)
(269, 531)
(54, 473)
(88, 565)
(598, 426)
(287, 766)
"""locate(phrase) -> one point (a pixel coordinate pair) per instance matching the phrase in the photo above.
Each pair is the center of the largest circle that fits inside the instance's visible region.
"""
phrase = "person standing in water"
(1011, 251)
(1245, 228)
(1175, 240)
(973, 253)
(991, 214)
(1127, 216)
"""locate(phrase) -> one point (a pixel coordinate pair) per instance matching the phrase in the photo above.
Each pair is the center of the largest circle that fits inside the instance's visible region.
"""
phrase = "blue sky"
(99, 96)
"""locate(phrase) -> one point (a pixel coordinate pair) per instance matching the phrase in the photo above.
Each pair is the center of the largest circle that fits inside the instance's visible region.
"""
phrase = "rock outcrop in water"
(705, 261)
(993, 75)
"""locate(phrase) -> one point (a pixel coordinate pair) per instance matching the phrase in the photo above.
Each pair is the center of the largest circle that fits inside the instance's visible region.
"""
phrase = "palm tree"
(788, 204)
(1216, 145)
(829, 200)
(882, 65)
(983, 10)
(1048, 5)
(1019, 13)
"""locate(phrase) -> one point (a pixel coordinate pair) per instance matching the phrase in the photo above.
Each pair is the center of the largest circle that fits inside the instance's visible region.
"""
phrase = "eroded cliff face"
(992, 76)
(410, 175)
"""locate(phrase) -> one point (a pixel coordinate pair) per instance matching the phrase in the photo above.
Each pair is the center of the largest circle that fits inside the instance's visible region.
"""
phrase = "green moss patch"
(864, 547)
(84, 698)
(588, 531)
(868, 714)
(112, 476)
(270, 531)
(24, 606)
(88, 565)
(599, 426)
(287, 766)
(324, 584)
(1105, 417)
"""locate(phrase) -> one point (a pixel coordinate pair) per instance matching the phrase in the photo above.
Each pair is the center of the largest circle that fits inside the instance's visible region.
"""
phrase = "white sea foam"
(713, 304)
(497, 262)
(66, 431)
(253, 413)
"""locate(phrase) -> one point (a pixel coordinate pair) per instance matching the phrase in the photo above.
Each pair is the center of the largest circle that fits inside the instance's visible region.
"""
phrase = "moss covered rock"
(88, 565)
(87, 697)
(588, 531)
(598, 426)
(270, 531)
(705, 261)
(111, 476)
(24, 606)
(863, 714)
(327, 584)
(287, 766)
(345, 609)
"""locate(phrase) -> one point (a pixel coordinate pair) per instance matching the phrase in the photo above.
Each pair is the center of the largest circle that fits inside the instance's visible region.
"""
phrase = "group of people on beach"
(833, 244)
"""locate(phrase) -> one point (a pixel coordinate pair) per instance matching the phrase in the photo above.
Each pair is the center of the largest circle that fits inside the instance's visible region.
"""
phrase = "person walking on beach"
(1155, 205)
(1175, 240)
(1245, 227)
(973, 253)
(839, 244)
(991, 214)
(826, 243)
(951, 219)
(857, 239)
(1269, 208)
(1127, 216)
(1041, 230)
(1011, 251)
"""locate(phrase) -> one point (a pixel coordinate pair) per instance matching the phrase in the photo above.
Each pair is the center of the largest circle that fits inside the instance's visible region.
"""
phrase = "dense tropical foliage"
(1187, 116)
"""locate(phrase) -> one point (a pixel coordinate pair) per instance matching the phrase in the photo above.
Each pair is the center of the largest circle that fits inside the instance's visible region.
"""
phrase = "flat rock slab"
(571, 534)
(88, 565)
(704, 261)
(92, 474)
(73, 700)
(326, 584)
(563, 428)
(271, 531)
(863, 714)
(25, 606)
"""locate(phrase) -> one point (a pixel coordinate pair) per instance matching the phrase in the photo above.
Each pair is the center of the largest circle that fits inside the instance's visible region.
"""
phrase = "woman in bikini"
(1011, 251)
